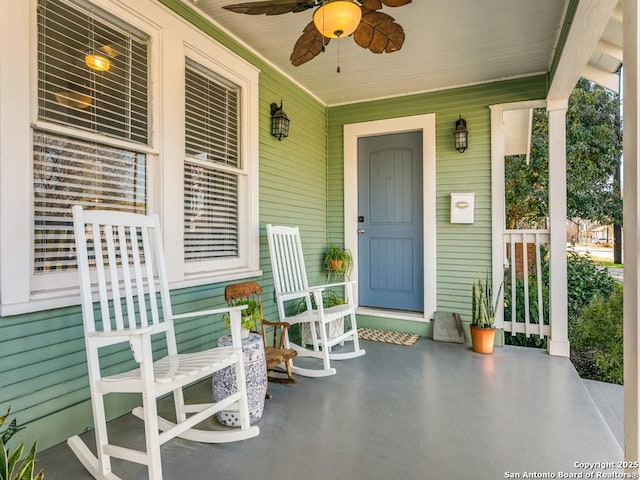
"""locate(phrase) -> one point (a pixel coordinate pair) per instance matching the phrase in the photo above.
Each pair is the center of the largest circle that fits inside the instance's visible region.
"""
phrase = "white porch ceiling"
(447, 44)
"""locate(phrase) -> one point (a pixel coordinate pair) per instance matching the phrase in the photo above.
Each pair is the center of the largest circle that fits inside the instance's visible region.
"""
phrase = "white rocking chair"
(290, 280)
(126, 255)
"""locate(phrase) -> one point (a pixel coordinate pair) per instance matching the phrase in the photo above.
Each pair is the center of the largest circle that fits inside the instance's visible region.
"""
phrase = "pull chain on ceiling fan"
(370, 28)
(337, 19)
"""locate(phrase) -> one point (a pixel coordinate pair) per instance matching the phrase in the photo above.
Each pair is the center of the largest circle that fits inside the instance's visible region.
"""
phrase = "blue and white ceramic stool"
(255, 370)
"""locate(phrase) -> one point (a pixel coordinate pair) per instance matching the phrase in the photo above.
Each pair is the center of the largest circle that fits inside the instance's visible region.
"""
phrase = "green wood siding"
(462, 250)
(42, 363)
(43, 372)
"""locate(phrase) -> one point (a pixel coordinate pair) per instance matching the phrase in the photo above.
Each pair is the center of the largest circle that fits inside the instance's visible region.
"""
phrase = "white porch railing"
(524, 286)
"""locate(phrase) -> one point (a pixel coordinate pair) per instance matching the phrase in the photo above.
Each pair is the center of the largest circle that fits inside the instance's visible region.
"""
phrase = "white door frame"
(352, 132)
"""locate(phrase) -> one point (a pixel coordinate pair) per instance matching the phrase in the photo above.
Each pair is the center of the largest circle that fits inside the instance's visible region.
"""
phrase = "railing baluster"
(539, 278)
(524, 238)
(514, 293)
(525, 275)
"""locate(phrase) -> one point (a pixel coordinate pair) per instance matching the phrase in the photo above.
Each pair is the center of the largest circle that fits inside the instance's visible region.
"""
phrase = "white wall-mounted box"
(462, 207)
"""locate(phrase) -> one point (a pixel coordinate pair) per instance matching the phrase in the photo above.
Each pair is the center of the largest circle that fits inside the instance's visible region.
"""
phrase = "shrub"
(598, 330)
(520, 339)
(585, 281)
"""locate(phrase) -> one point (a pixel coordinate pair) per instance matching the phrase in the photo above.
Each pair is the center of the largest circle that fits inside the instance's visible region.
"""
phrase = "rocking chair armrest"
(136, 338)
(203, 313)
(337, 284)
(114, 334)
(298, 293)
(284, 325)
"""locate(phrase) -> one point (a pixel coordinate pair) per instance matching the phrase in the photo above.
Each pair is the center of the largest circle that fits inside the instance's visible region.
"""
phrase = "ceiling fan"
(371, 28)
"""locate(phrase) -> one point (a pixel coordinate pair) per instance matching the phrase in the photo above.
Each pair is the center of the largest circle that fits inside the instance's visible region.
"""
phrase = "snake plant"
(10, 466)
(483, 310)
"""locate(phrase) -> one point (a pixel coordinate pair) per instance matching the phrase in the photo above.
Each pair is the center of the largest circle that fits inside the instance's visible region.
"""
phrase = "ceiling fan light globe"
(97, 61)
(337, 18)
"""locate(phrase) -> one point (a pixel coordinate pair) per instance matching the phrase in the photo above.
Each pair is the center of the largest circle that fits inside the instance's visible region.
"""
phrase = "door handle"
(360, 231)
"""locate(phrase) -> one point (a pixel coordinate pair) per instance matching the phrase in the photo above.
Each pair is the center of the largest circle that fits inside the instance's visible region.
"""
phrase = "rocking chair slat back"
(289, 273)
(131, 281)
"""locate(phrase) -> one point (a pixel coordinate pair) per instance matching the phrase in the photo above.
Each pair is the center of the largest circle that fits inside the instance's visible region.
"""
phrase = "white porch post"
(631, 234)
(559, 342)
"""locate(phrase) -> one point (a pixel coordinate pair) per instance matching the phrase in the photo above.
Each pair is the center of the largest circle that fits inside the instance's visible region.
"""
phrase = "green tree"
(527, 182)
(593, 148)
(594, 144)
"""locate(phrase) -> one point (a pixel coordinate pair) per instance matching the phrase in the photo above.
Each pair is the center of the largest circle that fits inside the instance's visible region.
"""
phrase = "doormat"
(397, 338)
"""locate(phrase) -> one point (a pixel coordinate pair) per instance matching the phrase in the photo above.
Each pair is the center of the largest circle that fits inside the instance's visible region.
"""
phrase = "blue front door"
(390, 247)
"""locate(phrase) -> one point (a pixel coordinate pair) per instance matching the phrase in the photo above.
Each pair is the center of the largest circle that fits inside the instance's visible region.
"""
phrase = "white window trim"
(172, 38)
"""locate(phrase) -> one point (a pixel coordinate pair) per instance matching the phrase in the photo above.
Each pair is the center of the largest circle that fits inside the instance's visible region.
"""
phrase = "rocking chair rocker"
(125, 250)
(290, 281)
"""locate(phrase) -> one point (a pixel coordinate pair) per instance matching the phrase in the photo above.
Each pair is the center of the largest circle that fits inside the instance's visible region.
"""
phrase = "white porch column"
(559, 342)
(631, 233)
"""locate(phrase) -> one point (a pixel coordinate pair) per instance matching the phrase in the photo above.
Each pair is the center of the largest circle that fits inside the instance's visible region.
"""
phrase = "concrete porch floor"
(430, 411)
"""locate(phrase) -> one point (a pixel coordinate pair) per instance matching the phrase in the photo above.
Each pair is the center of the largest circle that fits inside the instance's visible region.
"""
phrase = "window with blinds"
(92, 71)
(68, 172)
(92, 79)
(212, 168)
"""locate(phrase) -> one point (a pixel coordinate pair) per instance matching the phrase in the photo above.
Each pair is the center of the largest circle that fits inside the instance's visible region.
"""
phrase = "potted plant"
(483, 315)
(10, 466)
(329, 299)
(249, 315)
(338, 258)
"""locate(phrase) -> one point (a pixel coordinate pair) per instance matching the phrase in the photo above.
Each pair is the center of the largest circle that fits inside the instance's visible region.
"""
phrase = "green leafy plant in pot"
(250, 315)
(338, 258)
(483, 315)
(10, 466)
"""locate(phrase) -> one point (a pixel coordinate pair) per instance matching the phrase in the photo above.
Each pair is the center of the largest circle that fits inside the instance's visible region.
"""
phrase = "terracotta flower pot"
(482, 339)
(335, 264)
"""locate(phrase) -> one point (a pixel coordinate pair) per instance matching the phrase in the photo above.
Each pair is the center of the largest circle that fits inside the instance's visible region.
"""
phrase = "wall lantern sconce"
(279, 122)
(460, 134)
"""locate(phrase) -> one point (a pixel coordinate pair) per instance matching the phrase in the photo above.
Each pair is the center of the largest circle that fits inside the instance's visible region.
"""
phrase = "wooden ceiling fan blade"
(372, 4)
(379, 33)
(309, 45)
(270, 7)
(396, 3)
(377, 4)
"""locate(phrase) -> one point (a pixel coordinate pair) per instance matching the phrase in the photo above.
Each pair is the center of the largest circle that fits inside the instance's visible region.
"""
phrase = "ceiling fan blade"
(270, 7)
(372, 4)
(379, 33)
(396, 3)
(377, 4)
(309, 45)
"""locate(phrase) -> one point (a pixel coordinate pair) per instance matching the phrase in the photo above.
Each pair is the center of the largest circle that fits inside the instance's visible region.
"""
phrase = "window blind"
(70, 171)
(112, 102)
(211, 220)
(211, 116)
(211, 229)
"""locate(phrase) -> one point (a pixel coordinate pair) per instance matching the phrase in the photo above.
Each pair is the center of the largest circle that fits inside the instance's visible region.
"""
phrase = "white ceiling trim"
(602, 78)
(590, 20)
(440, 89)
(610, 49)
